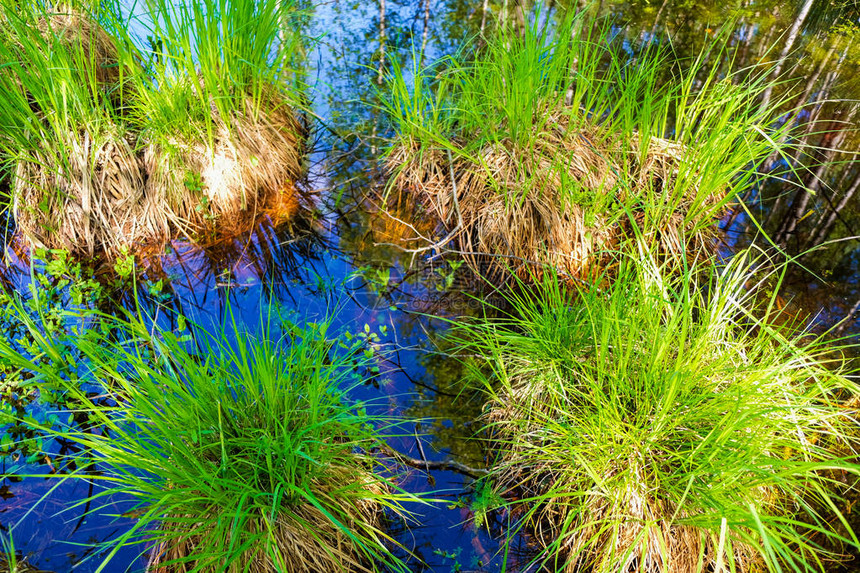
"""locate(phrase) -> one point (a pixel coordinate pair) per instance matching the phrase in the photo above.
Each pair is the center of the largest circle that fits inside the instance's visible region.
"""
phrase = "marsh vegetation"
(551, 145)
(239, 456)
(525, 334)
(117, 148)
(665, 422)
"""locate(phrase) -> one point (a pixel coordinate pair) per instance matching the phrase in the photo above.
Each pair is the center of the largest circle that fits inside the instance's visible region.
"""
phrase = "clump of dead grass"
(93, 199)
(247, 169)
(330, 549)
(652, 426)
(516, 213)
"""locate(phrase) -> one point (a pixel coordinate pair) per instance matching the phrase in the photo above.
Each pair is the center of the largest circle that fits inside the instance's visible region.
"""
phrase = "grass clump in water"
(224, 120)
(63, 86)
(651, 426)
(241, 456)
(118, 147)
(556, 145)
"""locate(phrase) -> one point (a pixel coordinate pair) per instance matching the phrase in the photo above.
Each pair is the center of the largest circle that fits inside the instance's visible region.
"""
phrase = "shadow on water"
(355, 261)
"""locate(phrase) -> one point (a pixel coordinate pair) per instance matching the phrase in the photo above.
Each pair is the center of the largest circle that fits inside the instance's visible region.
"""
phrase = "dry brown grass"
(110, 195)
(516, 208)
(91, 200)
(304, 540)
(81, 35)
(244, 171)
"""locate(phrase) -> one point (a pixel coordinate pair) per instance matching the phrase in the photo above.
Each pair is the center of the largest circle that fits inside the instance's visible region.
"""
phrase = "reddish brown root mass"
(567, 202)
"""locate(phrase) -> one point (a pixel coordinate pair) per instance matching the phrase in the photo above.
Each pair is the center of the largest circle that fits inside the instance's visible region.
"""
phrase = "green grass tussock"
(116, 147)
(224, 117)
(558, 145)
(242, 456)
(61, 84)
(661, 427)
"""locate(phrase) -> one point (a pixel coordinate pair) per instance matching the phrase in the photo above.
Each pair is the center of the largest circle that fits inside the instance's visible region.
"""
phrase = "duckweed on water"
(651, 425)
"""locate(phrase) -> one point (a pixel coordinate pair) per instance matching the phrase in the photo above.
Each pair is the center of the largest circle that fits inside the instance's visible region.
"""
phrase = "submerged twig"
(423, 455)
(437, 246)
(441, 465)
